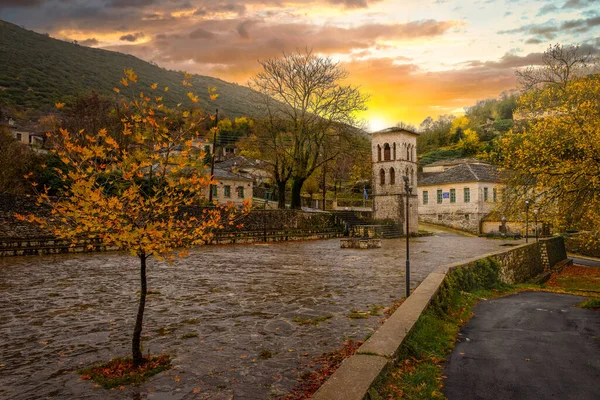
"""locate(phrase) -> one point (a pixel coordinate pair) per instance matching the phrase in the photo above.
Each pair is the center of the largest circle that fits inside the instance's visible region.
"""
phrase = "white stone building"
(394, 155)
(231, 187)
(461, 196)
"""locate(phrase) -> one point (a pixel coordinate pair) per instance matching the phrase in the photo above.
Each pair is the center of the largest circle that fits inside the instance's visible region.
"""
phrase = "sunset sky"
(414, 58)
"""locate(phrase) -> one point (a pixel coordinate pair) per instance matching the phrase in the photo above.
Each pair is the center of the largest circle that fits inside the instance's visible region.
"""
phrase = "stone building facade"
(461, 196)
(394, 155)
(231, 187)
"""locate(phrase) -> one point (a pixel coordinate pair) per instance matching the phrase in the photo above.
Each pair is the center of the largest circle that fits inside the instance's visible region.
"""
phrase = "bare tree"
(559, 65)
(406, 126)
(304, 92)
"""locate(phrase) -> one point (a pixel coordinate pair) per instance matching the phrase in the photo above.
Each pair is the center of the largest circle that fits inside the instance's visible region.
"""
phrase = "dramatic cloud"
(130, 3)
(415, 58)
(20, 3)
(550, 29)
(89, 42)
(201, 34)
(132, 37)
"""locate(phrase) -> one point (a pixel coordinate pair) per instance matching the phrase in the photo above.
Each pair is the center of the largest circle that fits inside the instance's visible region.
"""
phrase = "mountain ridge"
(37, 71)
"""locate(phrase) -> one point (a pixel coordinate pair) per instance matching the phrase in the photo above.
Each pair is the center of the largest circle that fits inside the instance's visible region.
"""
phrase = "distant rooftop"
(479, 172)
(241, 162)
(228, 175)
(454, 161)
(394, 129)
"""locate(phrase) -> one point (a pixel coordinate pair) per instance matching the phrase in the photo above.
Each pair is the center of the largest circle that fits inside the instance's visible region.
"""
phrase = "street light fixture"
(527, 204)
(407, 190)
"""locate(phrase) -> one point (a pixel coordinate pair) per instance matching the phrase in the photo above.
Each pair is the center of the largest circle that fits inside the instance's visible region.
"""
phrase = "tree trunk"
(297, 184)
(281, 190)
(136, 349)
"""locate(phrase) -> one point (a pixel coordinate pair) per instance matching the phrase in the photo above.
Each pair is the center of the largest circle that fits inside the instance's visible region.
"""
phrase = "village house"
(458, 193)
(251, 168)
(231, 187)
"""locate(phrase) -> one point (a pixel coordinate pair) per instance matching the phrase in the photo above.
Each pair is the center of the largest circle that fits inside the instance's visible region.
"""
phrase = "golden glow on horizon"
(414, 59)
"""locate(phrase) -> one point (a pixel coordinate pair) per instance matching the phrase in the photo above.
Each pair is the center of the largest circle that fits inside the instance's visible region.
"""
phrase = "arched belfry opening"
(387, 152)
(382, 176)
(378, 153)
(392, 176)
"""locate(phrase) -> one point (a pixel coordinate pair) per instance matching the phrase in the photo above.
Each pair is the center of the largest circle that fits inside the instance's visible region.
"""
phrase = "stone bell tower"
(394, 154)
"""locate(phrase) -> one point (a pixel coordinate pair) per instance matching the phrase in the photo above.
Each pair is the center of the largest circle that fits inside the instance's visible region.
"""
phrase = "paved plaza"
(215, 312)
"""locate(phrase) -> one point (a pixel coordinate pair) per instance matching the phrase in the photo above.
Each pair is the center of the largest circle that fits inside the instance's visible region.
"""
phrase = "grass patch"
(190, 335)
(374, 310)
(149, 292)
(120, 371)
(312, 321)
(592, 304)
(265, 355)
(162, 331)
(357, 314)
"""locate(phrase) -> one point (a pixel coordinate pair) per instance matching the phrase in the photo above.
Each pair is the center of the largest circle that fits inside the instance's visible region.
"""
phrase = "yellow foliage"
(129, 190)
(554, 155)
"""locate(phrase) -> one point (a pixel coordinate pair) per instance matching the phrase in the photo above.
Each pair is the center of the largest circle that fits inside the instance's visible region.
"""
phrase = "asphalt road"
(588, 262)
(531, 345)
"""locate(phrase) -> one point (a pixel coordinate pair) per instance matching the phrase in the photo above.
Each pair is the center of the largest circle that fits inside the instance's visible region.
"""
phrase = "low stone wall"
(575, 245)
(49, 245)
(455, 220)
(358, 373)
(21, 238)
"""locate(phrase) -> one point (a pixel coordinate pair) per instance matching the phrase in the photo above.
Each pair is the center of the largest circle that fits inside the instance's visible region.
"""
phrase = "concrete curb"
(353, 379)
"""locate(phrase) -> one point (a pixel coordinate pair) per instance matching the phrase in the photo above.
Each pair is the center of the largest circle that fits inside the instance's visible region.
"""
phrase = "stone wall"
(22, 238)
(456, 220)
(393, 207)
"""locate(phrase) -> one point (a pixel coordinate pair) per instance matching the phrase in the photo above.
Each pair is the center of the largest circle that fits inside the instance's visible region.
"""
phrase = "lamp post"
(267, 195)
(407, 190)
(535, 214)
(527, 204)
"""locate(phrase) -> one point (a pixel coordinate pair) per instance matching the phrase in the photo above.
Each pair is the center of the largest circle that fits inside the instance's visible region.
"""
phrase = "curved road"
(532, 346)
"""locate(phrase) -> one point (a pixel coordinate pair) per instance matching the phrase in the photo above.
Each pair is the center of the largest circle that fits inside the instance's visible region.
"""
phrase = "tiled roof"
(228, 175)
(394, 129)
(463, 173)
(241, 162)
(454, 161)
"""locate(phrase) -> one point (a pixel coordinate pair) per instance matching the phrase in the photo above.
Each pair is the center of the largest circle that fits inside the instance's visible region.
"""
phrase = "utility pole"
(527, 204)
(212, 162)
(408, 190)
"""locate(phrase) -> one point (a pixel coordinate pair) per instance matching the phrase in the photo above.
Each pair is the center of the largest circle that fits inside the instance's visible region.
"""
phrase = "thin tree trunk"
(297, 184)
(281, 189)
(136, 349)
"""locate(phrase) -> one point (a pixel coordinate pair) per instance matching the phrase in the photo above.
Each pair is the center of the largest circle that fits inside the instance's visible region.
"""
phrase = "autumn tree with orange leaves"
(139, 189)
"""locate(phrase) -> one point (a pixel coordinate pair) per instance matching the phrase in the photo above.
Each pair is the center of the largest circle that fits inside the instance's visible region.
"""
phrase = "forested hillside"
(37, 71)
(473, 134)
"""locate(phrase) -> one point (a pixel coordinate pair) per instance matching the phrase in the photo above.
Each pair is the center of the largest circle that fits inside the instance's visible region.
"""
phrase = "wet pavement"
(216, 312)
(530, 345)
